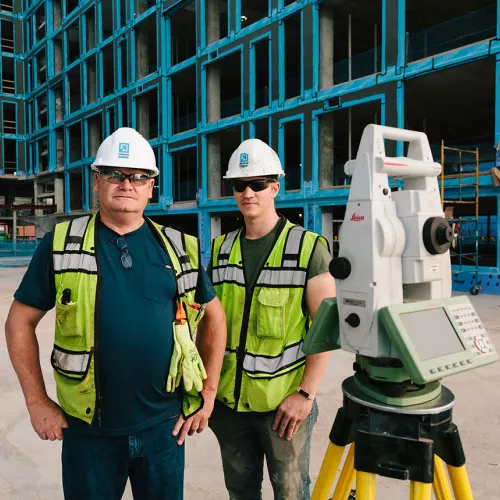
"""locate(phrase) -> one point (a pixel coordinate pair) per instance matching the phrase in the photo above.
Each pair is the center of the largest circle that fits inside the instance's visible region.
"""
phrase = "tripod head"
(393, 275)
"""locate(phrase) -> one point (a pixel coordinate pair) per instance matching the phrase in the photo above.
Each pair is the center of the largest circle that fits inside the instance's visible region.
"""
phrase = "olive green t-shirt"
(255, 253)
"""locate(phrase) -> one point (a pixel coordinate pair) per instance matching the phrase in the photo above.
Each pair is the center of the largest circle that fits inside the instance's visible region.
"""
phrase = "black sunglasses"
(116, 177)
(256, 185)
(126, 259)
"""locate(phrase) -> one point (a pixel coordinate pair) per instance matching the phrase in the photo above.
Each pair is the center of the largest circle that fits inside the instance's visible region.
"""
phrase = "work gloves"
(186, 362)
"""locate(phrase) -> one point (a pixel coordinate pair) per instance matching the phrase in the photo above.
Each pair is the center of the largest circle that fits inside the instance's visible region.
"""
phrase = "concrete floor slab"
(30, 468)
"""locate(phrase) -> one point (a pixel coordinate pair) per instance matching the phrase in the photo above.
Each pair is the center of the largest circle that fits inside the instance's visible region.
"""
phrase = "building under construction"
(196, 77)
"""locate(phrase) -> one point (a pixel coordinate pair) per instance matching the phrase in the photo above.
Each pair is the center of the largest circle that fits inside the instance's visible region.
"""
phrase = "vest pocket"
(271, 317)
(67, 319)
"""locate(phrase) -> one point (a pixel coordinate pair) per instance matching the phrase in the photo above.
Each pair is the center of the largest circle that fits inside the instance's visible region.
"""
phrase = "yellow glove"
(193, 371)
(175, 370)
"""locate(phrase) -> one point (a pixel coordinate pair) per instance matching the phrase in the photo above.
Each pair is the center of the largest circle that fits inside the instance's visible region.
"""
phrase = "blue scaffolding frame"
(119, 107)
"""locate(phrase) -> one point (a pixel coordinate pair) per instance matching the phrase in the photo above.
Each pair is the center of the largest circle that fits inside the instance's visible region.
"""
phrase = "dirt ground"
(30, 468)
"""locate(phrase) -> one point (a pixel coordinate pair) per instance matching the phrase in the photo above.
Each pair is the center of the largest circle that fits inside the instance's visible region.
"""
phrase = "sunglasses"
(116, 177)
(126, 259)
(256, 186)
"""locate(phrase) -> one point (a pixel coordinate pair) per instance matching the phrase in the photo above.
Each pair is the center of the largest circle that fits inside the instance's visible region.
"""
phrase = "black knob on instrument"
(353, 320)
(340, 268)
(437, 235)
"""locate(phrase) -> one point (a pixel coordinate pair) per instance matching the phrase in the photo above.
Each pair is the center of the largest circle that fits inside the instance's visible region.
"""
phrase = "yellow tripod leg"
(346, 478)
(365, 485)
(328, 471)
(441, 486)
(460, 483)
(420, 491)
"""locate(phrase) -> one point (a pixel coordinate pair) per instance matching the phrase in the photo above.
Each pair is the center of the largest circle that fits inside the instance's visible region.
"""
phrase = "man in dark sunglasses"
(129, 294)
(271, 277)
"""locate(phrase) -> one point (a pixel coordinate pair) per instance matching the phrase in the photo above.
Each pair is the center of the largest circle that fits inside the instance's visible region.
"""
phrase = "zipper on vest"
(98, 399)
(240, 353)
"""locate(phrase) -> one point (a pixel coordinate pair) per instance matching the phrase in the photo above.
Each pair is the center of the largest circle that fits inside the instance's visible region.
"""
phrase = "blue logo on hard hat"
(123, 150)
(243, 160)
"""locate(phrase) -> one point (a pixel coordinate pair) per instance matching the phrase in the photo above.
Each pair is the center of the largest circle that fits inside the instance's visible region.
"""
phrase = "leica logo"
(357, 218)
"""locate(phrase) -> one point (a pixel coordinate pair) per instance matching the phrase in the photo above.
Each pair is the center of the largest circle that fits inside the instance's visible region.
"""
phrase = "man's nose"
(126, 184)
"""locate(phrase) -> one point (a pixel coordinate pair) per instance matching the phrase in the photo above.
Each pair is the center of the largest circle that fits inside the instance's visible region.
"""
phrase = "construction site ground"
(31, 468)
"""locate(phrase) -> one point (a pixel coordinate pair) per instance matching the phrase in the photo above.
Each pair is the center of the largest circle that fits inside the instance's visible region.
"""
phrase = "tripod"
(407, 443)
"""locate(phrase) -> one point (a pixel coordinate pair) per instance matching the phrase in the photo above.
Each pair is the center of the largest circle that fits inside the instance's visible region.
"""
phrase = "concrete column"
(141, 53)
(59, 194)
(60, 148)
(93, 199)
(56, 5)
(215, 226)
(212, 15)
(94, 137)
(326, 33)
(59, 105)
(142, 112)
(58, 55)
(90, 32)
(91, 81)
(327, 225)
(326, 152)
(36, 193)
(213, 94)
(213, 166)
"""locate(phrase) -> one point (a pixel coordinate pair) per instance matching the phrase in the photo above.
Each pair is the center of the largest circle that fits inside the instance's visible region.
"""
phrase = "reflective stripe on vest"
(228, 274)
(176, 238)
(226, 247)
(187, 282)
(74, 239)
(71, 362)
(292, 248)
(75, 262)
(273, 365)
(282, 278)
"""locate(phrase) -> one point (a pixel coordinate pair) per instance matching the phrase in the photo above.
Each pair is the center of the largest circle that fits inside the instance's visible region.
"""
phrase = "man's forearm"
(313, 373)
(24, 353)
(211, 342)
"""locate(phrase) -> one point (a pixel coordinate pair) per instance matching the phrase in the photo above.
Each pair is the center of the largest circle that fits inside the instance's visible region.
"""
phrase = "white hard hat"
(126, 148)
(252, 159)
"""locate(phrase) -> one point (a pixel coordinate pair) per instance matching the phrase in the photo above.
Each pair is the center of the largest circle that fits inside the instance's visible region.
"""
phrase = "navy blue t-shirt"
(137, 309)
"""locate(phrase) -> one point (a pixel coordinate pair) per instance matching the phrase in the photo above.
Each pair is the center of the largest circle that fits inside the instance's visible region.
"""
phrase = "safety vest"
(76, 343)
(266, 326)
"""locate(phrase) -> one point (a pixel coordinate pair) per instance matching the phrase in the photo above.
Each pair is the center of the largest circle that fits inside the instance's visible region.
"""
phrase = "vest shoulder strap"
(69, 235)
(225, 247)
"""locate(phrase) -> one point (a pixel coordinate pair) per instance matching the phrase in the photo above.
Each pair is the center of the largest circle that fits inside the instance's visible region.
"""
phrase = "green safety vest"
(76, 343)
(266, 326)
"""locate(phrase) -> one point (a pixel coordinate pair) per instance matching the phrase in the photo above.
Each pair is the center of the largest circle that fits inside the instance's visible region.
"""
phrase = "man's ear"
(276, 188)
(96, 184)
(151, 186)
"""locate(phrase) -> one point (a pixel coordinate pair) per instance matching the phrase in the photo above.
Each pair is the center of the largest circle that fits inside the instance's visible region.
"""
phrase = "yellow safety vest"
(76, 343)
(266, 326)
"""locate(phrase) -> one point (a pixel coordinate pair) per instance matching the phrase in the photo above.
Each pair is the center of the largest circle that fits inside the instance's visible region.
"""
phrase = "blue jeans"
(96, 467)
(246, 438)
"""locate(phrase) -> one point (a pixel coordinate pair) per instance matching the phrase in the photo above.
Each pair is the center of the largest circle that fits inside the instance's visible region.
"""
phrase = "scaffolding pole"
(462, 252)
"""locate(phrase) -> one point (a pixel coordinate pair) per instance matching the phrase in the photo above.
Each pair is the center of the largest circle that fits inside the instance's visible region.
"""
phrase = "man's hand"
(196, 423)
(291, 413)
(47, 419)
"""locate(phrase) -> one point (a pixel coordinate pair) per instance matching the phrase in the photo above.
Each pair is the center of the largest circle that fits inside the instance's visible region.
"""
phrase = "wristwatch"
(306, 394)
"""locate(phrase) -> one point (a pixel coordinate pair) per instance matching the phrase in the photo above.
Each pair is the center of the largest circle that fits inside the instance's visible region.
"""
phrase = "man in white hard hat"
(128, 294)
(271, 277)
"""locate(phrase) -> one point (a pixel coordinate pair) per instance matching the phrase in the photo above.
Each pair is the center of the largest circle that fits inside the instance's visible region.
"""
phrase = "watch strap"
(306, 394)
